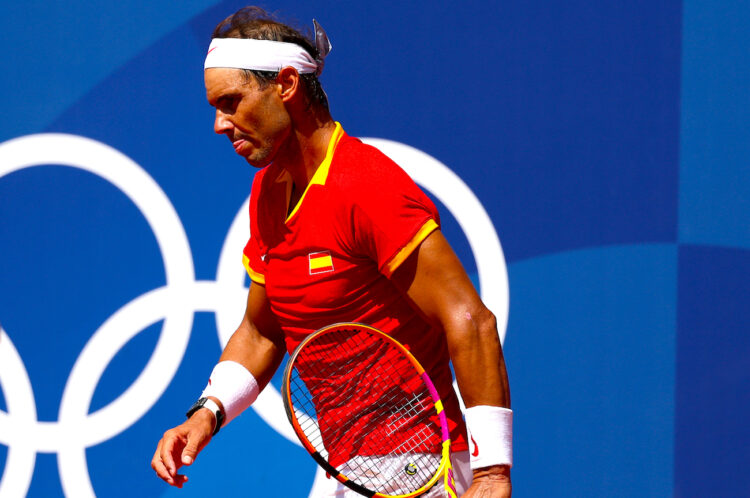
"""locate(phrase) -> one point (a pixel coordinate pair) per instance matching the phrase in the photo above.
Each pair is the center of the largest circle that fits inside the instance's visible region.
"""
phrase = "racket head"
(383, 430)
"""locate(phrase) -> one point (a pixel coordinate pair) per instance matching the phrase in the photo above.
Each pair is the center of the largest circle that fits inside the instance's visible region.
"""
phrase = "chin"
(260, 158)
(260, 164)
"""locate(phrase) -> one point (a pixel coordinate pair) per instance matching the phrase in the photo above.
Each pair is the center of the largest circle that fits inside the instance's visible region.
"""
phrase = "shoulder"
(359, 165)
(353, 149)
(370, 182)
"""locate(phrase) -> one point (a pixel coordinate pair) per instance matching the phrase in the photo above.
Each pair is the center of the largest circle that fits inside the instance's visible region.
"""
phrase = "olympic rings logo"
(176, 302)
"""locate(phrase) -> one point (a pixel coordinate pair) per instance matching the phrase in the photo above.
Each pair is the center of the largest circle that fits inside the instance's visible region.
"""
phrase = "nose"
(222, 125)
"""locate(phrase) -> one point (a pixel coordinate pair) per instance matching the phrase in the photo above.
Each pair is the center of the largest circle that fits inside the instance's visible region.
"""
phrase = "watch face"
(198, 404)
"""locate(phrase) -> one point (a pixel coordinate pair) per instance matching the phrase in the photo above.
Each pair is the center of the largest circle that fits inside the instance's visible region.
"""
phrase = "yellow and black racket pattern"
(367, 412)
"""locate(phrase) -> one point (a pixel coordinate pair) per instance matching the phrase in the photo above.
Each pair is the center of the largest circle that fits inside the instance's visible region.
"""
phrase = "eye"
(228, 103)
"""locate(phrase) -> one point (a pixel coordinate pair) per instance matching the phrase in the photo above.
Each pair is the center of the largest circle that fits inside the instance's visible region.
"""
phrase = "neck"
(306, 148)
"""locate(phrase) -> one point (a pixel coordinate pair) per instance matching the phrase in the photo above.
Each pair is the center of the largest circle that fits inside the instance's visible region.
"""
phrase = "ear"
(290, 84)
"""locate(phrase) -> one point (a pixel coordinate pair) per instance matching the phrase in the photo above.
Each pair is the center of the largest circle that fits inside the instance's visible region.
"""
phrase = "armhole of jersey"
(256, 277)
(429, 227)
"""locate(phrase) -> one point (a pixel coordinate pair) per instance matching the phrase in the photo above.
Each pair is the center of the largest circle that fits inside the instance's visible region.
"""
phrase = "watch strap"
(213, 407)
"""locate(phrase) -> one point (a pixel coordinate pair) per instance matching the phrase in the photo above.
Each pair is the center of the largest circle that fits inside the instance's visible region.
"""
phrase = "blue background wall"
(608, 142)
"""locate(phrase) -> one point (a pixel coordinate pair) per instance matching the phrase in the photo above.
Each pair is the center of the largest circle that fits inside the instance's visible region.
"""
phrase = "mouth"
(237, 144)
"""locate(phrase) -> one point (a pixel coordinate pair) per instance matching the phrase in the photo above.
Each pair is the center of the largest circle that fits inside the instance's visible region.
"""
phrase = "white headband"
(260, 55)
(267, 55)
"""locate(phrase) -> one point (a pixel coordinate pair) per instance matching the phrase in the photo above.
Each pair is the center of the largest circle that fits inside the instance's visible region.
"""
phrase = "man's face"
(253, 118)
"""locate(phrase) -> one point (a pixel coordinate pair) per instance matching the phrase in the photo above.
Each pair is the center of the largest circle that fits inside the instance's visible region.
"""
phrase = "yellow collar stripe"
(321, 174)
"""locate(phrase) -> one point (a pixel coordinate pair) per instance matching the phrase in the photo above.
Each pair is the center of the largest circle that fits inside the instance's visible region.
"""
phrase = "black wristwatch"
(211, 405)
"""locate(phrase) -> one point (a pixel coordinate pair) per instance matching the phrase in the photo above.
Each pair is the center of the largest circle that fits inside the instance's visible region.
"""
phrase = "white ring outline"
(30, 435)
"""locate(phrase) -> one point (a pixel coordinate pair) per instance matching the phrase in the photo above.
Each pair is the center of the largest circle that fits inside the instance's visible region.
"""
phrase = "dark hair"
(256, 23)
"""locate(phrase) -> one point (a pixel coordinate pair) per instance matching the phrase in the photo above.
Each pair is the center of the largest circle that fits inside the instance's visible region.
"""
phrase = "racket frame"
(445, 468)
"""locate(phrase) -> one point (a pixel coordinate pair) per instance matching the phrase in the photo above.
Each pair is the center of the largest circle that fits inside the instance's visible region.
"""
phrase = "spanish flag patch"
(320, 262)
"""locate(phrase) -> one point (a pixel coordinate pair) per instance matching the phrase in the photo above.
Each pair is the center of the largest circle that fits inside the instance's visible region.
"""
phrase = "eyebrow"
(231, 94)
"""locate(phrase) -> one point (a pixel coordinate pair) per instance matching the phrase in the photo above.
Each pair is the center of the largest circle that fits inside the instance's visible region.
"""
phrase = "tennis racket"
(367, 412)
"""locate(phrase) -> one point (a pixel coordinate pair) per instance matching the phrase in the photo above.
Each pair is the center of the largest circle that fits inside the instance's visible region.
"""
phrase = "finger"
(157, 456)
(167, 454)
(164, 474)
(158, 465)
(179, 480)
(160, 469)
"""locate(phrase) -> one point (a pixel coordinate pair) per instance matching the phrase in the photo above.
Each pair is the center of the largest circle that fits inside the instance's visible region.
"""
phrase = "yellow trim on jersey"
(256, 277)
(321, 174)
(429, 226)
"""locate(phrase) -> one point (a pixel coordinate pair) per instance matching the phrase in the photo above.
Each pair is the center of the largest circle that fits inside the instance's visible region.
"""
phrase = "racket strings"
(377, 410)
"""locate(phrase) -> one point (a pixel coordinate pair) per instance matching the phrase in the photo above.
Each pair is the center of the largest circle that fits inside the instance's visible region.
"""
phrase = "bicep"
(435, 281)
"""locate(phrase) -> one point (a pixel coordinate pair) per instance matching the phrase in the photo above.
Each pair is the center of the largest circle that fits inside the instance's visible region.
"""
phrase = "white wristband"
(213, 408)
(234, 386)
(490, 435)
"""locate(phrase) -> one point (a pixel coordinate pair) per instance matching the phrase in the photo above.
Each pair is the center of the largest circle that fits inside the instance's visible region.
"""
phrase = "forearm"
(249, 359)
(479, 365)
(258, 353)
(483, 381)
(245, 367)
(477, 357)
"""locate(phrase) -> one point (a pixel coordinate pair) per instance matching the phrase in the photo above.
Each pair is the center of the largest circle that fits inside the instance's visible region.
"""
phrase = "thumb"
(191, 450)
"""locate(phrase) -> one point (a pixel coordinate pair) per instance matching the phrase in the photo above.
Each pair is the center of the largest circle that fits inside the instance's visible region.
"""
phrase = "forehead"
(222, 80)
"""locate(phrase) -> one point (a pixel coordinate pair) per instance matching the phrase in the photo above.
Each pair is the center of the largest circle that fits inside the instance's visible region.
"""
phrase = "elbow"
(477, 327)
(485, 323)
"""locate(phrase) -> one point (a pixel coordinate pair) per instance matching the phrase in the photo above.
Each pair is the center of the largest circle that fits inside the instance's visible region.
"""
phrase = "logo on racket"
(410, 469)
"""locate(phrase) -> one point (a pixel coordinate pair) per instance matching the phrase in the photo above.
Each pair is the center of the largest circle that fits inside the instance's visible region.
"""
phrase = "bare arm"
(257, 344)
(438, 286)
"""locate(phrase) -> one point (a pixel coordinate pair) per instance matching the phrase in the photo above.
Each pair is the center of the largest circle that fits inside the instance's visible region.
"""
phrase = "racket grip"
(450, 481)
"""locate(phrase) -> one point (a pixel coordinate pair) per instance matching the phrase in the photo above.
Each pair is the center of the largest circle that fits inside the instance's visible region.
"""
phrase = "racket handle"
(450, 483)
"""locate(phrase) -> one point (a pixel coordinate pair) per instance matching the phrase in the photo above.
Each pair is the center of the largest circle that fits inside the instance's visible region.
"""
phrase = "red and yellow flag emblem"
(320, 262)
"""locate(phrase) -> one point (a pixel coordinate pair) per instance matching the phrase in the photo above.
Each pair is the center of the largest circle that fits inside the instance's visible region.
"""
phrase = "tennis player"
(339, 233)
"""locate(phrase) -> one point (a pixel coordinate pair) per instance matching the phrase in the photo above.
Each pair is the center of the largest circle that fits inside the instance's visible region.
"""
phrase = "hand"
(179, 446)
(490, 482)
